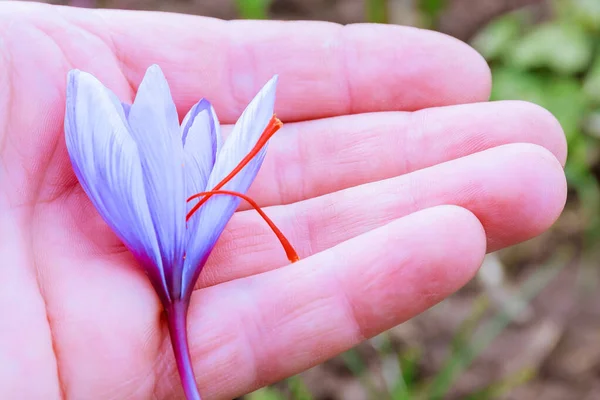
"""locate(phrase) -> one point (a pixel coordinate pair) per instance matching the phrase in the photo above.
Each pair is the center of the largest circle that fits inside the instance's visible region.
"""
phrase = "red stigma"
(274, 125)
(289, 249)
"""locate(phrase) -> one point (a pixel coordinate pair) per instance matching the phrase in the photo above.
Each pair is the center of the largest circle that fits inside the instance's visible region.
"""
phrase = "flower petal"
(126, 107)
(121, 107)
(106, 161)
(154, 126)
(201, 136)
(216, 212)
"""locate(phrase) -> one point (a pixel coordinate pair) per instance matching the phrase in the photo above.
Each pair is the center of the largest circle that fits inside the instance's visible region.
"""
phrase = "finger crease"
(51, 323)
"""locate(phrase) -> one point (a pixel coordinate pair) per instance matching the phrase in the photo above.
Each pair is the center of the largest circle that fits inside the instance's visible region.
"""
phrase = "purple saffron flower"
(138, 166)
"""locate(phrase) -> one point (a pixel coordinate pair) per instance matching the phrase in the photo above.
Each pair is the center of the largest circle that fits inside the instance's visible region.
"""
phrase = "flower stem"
(177, 322)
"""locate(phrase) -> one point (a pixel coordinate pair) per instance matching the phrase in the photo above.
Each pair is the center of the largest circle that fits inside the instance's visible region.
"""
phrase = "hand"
(391, 192)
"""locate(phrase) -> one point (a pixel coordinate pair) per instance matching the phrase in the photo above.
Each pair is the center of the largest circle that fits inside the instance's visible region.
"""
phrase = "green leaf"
(298, 388)
(431, 10)
(576, 169)
(253, 9)
(564, 48)
(591, 84)
(377, 11)
(565, 99)
(583, 155)
(265, 393)
(408, 362)
(497, 37)
(592, 124)
(562, 96)
(354, 362)
(588, 188)
(514, 84)
(587, 12)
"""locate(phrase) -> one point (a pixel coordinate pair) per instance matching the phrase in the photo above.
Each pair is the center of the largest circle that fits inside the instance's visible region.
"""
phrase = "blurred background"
(528, 326)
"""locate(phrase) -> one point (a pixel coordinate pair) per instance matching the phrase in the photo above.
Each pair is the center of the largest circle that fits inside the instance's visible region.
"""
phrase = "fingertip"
(546, 184)
(457, 237)
(544, 123)
(473, 76)
(436, 250)
(409, 265)
(534, 193)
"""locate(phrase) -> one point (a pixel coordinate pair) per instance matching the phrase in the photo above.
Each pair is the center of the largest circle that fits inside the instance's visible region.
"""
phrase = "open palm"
(391, 193)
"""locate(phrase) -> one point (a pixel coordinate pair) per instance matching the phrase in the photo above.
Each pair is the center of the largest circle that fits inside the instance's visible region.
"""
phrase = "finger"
(517, 191)
(325, 69)
(258, 330)
(371, 147)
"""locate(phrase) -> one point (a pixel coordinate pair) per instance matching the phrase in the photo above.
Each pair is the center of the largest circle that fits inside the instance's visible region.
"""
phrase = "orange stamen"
(274, 125)
(289, 249)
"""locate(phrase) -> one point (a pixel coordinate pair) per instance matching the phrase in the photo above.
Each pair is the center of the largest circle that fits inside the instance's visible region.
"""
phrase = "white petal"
(201, 136)
(154, 126)
(106, 161)
(216, 212)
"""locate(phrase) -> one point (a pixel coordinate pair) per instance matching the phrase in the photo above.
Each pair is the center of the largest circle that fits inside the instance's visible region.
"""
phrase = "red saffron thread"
(274, 125)
(290, 252)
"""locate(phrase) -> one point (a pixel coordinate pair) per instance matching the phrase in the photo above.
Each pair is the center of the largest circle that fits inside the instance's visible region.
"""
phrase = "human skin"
(392, 177)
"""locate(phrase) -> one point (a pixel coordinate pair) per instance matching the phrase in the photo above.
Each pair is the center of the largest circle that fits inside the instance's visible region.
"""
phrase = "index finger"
(325, 69)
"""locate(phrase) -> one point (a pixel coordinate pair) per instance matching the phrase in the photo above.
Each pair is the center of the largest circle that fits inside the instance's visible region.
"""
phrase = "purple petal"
(106, 161)
(121, 108)
(154, 125)
(216, 212)
(126, 108)
(207, 112)
(201, 135)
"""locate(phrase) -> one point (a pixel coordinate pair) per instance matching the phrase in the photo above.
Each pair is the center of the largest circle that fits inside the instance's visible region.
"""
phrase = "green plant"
(253, 9)
(556, 64)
